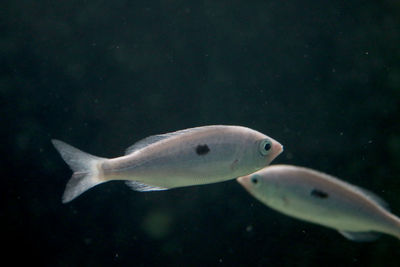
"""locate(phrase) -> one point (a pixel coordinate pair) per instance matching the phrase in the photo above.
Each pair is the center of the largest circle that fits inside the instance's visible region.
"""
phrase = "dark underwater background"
(321, 77)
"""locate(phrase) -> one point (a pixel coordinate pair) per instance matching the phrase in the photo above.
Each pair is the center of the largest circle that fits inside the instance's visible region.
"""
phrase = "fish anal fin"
(360, 236)
(141, 187)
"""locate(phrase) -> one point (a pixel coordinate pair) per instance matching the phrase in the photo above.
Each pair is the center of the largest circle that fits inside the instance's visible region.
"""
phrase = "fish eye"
(265, 146)
(254, 180)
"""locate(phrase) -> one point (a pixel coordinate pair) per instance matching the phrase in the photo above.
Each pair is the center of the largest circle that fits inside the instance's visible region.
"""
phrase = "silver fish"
(193, 156)
(319, 198)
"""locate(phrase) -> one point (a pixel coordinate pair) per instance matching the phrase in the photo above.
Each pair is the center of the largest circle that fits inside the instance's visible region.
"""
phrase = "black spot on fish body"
(319, 194)
(202, 150)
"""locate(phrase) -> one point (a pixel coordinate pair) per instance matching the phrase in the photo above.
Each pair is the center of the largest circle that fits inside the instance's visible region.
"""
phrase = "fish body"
(319, 198)
(193, 156)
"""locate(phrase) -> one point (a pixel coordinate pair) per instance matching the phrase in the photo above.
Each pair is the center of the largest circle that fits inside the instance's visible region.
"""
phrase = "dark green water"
(321, 77)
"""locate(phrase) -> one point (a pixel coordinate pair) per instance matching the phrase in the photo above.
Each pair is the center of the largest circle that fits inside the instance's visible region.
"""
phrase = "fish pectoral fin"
(141, 187)
(360, 236)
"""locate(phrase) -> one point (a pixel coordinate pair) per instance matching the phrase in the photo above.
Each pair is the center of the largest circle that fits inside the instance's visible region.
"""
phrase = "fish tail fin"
(396, 234)
(395, 229)
(85, 167)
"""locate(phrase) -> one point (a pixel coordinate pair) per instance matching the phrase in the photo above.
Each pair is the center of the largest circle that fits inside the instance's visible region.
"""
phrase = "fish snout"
(244, 181)
(276, 149)
(279, 149)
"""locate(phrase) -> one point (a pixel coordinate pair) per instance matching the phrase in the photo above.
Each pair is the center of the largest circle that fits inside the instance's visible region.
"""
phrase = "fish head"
(254, 185)
(270, 149)
(263, 184)
(250, 182)
(266, 149)
(252, 149)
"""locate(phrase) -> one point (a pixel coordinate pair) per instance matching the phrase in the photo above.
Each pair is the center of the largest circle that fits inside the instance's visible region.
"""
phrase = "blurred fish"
(193, 156)
(322, 199)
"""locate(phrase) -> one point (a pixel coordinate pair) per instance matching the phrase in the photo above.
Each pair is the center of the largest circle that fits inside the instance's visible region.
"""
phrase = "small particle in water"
(249, 228)
(87, 240)
(202, 149)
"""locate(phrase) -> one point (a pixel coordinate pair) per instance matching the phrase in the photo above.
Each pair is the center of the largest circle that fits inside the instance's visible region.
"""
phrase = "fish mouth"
(277, 149)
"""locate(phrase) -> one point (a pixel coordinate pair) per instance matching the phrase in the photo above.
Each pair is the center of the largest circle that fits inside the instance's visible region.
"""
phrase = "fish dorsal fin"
(372, 196)
(144, 142)
(360, 236)
(141, 187)
(156, 138)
